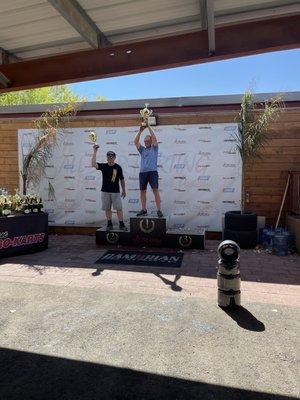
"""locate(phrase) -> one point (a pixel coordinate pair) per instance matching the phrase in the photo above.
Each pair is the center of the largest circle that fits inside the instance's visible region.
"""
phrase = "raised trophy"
(93, 138)
(145, 114)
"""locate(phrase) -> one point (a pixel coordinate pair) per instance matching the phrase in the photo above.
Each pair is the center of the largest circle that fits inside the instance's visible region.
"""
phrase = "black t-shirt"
(111, 175)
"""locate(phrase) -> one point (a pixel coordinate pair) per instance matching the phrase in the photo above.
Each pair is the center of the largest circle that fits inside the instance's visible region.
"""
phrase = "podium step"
(115, 236)
(149, 226)
(185, 240)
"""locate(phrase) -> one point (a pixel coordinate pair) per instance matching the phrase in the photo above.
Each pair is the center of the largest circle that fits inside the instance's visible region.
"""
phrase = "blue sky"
(269, 72)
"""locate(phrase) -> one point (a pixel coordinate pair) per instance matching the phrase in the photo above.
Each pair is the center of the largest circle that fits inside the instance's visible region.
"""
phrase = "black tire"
(228, 251)
(245, 239)
(236, 221)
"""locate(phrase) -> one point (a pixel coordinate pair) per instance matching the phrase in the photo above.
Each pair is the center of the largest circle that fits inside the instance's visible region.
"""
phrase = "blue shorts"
(151, 177)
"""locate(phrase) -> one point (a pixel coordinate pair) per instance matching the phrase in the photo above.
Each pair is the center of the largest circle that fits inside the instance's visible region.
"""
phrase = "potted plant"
(253, 120)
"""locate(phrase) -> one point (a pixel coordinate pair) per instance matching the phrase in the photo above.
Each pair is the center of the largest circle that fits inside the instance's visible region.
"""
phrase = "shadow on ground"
(33, 376)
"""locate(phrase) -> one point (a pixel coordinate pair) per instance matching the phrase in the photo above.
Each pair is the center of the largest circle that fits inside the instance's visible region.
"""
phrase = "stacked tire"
(241, 228)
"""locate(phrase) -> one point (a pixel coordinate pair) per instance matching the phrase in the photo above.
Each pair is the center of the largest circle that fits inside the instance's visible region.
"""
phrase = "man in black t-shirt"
(112, 175)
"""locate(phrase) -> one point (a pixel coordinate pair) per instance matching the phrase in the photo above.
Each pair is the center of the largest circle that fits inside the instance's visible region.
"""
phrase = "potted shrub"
(253, 120)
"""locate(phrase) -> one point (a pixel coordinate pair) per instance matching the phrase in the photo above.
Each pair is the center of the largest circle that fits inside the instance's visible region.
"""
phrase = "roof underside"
(48, 42)
(36, 28)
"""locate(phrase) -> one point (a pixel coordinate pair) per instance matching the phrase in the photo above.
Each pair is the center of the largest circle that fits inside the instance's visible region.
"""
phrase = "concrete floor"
(73, 331)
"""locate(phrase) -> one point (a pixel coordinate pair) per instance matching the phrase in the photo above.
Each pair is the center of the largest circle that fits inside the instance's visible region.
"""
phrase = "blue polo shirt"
(148, 158)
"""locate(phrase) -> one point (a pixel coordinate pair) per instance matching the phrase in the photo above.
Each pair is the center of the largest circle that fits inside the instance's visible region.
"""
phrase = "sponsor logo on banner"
(204, 140)
(133, 201)
(203, 226)
(90, 178)
(229, 202)
(203, 214)
(203, 165)
(204, 127)
(133, 154)
(230, 128)
(203, 177)
(68, 144)
(204, 153)
(225, 165)
(179, 190)
(111, 131)
(90, 200)
(69, 211)
(179, 202)
(49, 166)
(69, 177)
(204, 190)
(114, 143)
(229, 140)
(179, 128)
(49, 210)
(203, 202)
(133, 211)
(181, 214)
(70, 222)
(51, 221)
(229, 177)
(179, 154)
(67, 188)
(178, 141)
(69, 166)
(179, 177)
(68, 200)
(131, 143)
(68, 155)
(228, 190)
(133, 189)
(230, 152)
(69, 132)
(178, 226)
(179, 166)
(90, 188)
(23, 240)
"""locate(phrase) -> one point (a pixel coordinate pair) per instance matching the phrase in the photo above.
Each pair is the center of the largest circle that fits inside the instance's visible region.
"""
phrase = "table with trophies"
(23, 225)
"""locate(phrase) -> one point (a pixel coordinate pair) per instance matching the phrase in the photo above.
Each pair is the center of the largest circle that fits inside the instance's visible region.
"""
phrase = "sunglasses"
(110, 156)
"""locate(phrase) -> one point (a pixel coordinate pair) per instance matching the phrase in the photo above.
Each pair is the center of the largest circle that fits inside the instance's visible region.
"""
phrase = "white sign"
(199, 174)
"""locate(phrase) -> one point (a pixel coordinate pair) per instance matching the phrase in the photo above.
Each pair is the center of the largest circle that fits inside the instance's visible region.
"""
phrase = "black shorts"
(151, 177)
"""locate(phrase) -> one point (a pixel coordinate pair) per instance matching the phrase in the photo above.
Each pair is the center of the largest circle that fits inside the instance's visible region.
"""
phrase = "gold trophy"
(93, 138)
(145, 114)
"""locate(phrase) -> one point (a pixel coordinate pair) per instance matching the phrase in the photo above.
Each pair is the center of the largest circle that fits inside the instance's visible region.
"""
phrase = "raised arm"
(138, 136)
(153, 137)
(93, 162)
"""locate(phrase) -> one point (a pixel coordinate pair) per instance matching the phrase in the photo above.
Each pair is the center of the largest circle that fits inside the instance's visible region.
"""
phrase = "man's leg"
(106, 207)
(153, 179)
(143, 199)
(157, 199)
(117, 204)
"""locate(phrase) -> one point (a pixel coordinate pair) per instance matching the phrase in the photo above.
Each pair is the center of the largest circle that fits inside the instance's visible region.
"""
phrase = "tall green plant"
(251, 137)
(50, 126)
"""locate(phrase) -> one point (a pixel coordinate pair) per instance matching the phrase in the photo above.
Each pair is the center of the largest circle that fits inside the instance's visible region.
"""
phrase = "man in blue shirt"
(148, 170)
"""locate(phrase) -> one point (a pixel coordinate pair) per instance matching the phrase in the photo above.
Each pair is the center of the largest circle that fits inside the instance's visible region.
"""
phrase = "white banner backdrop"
(199, 174)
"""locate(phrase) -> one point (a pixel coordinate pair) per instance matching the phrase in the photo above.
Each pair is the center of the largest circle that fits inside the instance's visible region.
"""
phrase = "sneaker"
(109, 227)
(159, 214)
(141, 213)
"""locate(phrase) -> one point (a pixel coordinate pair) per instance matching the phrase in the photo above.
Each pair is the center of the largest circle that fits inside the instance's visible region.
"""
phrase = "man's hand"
(123, 195)
(96, 147)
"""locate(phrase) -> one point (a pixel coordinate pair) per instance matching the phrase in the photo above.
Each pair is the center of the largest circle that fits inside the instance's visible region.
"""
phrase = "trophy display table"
(151, 231)
(21, 234)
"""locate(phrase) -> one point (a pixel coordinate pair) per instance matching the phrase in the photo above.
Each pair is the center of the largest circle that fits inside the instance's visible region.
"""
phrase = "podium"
(152, 232)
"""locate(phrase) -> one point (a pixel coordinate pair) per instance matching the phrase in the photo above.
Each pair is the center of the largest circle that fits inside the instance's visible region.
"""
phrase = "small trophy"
(93, 138)
(145, 114)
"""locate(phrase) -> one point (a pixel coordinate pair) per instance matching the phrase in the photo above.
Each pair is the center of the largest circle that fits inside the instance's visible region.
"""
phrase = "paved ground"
(73, 331)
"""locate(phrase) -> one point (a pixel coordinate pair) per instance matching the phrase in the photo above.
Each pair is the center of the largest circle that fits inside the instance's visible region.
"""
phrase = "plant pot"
(236, 221)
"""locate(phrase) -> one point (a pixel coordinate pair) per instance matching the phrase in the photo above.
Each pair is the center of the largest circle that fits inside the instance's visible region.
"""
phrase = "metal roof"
(172, 102)
(37, 28)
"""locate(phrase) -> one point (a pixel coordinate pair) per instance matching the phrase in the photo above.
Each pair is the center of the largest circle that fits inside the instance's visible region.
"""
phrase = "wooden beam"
(185, 49)
(76, 16)
(4, 81)
(210, 15)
